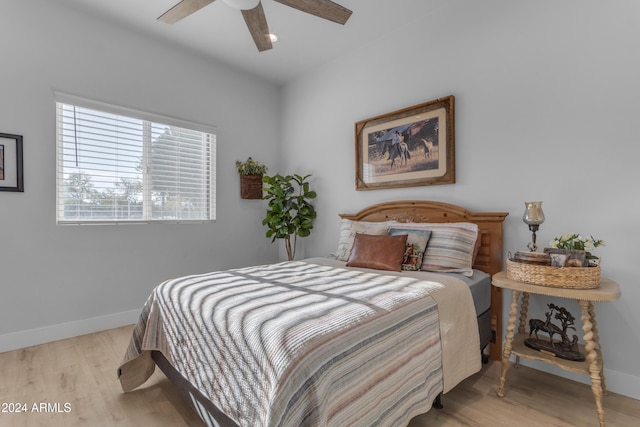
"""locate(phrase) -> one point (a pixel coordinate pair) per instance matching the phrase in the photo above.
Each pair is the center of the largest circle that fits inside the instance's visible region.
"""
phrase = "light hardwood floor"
(81, 373)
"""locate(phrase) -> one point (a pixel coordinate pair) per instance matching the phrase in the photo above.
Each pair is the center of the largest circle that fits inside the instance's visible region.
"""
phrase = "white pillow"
(348, 230)
(450, 248)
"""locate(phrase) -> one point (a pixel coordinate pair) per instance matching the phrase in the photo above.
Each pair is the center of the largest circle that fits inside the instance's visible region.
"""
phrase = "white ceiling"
(305, 41)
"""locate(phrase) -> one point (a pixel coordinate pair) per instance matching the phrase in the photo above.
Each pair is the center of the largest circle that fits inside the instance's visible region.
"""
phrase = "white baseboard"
(621, 383)
(616, 381)
(29, 337)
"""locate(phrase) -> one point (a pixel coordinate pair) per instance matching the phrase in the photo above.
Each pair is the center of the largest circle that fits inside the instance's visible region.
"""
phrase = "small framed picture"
(558, 260)
(555, 251)
(11, 176)
(558, 256)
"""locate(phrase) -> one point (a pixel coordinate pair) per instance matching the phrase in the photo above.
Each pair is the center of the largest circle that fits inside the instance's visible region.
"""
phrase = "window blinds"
(114, 167)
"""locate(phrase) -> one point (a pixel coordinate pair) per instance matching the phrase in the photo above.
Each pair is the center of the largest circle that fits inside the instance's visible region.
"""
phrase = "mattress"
(480, 285)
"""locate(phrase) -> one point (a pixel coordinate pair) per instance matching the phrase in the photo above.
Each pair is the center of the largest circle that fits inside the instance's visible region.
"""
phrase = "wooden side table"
(514, 343)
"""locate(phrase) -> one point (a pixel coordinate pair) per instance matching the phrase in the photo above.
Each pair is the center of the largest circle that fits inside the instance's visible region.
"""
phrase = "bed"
(324, 341)
(488, 259)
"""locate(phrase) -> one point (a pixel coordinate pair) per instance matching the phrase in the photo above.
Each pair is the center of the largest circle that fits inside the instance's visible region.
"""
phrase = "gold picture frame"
(411, 147)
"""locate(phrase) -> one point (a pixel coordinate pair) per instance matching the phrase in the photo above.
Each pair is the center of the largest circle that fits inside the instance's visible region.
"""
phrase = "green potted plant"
(251, 173)
(289, 214)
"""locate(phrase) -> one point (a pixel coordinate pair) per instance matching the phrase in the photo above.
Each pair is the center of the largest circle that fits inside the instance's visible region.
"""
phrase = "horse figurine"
(536, 325)
(565, 348)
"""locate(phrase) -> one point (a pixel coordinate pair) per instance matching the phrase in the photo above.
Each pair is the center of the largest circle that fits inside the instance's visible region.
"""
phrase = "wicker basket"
(251, 186)
(555, 277)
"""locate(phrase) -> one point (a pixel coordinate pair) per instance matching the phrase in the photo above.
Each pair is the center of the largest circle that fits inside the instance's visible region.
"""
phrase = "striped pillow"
(451, 246)
(348, 230)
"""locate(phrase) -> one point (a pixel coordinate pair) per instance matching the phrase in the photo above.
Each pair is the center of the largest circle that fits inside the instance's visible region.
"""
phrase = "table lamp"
(533, 217)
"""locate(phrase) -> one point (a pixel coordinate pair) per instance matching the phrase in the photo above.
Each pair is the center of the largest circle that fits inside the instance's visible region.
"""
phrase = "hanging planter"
(251, 186)
(251, 173)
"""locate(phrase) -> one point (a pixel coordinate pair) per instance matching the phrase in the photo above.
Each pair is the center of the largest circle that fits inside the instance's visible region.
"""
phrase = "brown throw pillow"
(378, 252)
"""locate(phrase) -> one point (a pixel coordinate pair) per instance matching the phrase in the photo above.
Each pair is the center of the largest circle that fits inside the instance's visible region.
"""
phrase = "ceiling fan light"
(242, 4)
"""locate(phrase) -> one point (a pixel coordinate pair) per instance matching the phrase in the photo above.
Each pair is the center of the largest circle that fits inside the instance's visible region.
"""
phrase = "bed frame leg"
(437, 403)
(484, 356)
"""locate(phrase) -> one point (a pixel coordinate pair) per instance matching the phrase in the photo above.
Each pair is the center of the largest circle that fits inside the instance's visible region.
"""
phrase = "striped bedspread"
(298, 343)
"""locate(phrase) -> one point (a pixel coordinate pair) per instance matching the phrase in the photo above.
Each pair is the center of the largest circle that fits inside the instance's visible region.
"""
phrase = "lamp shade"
(533, 214)
(242, 4)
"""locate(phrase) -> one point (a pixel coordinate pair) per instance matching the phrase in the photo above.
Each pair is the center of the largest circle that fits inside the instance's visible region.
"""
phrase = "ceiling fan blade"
(325, 9)
(257, 24)
(182, 10)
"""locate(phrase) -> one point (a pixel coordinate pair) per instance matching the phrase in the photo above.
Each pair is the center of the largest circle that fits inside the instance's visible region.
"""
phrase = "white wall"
(547, 109)
(59, 281)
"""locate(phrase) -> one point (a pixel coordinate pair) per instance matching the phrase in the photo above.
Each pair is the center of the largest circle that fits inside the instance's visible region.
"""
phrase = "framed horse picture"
(407, 148)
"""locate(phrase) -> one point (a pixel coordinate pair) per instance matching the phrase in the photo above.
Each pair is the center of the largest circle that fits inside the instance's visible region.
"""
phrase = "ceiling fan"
(254, 14)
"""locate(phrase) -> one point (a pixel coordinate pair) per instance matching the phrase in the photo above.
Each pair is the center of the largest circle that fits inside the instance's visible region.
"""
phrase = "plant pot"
(251, 186)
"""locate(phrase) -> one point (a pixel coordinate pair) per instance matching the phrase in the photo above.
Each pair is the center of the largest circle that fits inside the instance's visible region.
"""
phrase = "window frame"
(63, 98)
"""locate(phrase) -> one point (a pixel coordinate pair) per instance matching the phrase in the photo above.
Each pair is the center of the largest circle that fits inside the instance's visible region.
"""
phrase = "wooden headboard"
(489, 257)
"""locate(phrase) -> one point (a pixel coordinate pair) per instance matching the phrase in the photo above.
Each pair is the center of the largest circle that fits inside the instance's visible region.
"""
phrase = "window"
(116, 165)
